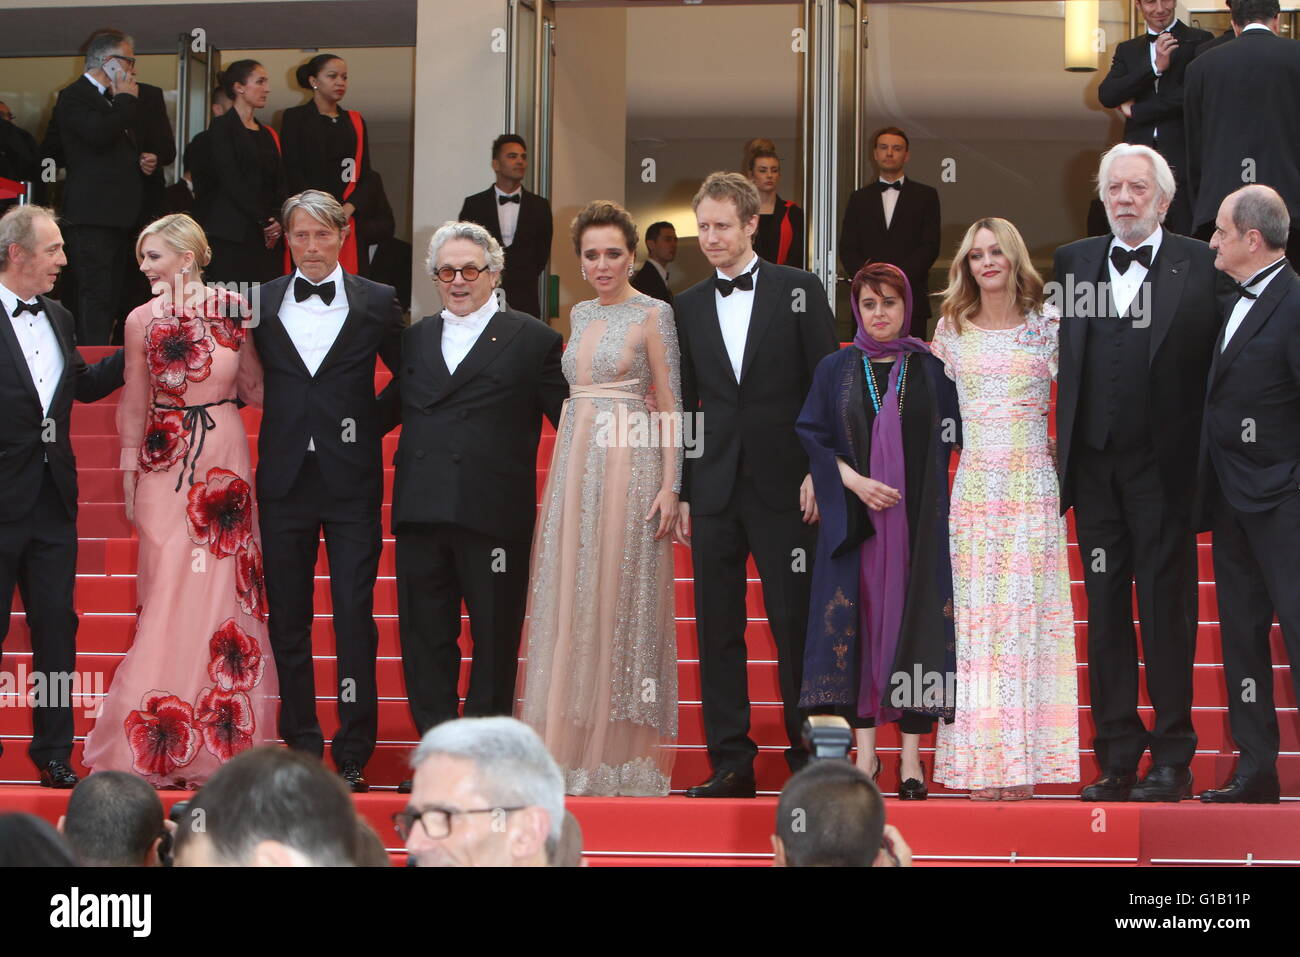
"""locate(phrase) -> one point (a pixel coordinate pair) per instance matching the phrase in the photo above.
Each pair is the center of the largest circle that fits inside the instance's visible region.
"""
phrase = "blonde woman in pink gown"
(198, 684)
(600, 685)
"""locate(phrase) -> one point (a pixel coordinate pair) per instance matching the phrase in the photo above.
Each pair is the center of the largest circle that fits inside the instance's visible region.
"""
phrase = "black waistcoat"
(1113, 391)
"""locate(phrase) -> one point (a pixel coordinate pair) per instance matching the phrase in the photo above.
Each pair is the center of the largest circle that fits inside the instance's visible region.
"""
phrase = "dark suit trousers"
(1129, 530)
(98, 256)
(1256, 566)
(437, 566)
(720, 544)
(38, 553)
(291, 530)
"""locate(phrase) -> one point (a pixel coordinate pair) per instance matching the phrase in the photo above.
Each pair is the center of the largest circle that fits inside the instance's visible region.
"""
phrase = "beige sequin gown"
(600, 682)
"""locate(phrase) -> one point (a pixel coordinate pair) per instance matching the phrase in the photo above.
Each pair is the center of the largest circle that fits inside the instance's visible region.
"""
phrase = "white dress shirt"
(889, 200)
(99, 86)
(312, 325)
(1256, 26)
(661, 270)
(508, 214)
(733, 316)
(39, 344)
(1124, 288)
(459, 333)
(1238, 314)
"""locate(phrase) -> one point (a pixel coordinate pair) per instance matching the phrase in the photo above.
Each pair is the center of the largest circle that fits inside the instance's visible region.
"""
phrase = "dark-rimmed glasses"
(436, 821)
(468, 273)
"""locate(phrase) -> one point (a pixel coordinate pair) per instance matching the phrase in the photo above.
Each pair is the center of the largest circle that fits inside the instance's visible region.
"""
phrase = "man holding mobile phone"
(104, 189)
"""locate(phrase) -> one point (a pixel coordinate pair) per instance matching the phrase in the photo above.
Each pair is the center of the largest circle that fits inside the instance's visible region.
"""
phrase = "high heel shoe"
(912, 789)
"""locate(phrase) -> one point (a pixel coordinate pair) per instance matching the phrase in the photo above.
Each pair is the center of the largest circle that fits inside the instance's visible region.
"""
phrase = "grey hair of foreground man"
(1261, 208)
(1164, 175)
(18, 228)
(317, 204)
(496, 256)
(512, 765)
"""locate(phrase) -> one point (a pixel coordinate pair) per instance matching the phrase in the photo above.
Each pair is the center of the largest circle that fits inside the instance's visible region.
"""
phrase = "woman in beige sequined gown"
(600, 683)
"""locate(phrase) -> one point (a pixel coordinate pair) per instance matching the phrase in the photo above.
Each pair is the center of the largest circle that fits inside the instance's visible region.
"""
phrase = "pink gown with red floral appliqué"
(198, 684)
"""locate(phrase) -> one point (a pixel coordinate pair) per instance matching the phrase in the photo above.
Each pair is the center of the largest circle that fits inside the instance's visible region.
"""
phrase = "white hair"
(1164, 175)
(496, 256)
(514, 768)
(18, 227)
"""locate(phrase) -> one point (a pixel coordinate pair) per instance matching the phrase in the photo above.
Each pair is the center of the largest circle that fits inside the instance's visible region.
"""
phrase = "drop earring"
(584, 273)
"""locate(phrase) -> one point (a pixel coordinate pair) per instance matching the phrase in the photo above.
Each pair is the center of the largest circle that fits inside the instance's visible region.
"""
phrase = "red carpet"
(675, 830)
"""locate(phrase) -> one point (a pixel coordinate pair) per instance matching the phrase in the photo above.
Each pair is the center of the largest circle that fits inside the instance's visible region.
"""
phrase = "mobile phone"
(114, 71)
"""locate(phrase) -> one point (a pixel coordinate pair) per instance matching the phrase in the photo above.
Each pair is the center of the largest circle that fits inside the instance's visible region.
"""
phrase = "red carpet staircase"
(673, 830)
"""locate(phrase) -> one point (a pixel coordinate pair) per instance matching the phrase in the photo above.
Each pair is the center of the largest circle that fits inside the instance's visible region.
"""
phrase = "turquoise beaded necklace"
(901, 387)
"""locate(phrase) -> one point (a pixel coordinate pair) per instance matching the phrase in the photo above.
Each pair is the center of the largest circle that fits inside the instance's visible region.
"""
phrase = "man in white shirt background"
(661, 250)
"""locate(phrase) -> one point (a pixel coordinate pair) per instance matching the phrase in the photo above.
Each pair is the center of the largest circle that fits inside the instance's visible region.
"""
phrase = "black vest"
(1116, 370)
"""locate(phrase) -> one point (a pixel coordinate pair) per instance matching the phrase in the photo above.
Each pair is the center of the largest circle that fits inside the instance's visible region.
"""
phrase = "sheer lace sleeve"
(249, 382)
(665, 372)
(133, 405)
(942, 347)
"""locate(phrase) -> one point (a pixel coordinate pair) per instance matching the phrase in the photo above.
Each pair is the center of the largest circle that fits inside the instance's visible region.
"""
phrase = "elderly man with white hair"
(478, 380)
(486, 794)
(1138, 321)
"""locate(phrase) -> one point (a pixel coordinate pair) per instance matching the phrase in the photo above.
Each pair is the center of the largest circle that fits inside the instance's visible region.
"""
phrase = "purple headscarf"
(882, 584)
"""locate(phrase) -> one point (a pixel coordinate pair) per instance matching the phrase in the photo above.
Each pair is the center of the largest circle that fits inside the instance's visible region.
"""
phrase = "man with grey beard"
(1139, 316)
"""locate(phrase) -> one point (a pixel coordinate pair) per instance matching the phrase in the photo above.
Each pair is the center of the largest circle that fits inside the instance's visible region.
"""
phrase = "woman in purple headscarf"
(879, 425)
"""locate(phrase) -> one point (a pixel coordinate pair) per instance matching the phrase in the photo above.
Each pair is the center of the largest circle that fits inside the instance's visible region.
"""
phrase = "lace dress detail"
(1017, 695)
(600, 682)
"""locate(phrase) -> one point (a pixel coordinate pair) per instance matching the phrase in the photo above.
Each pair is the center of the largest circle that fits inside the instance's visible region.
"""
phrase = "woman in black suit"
(328, 148)
(242, 218)
(780, 222)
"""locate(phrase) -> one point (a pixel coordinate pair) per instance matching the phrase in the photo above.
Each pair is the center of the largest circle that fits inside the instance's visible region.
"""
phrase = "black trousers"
(1256, 568)
(438, 566)
(39, 555)
(1129, 529)
(783, 548)
(98, 256)
(291, 531)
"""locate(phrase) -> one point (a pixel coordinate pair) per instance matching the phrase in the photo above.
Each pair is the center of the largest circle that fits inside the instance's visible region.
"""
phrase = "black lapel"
(767, 297)
(492, 341)
(488, 213)
(16, 350)
(1254, 320)
(904, 203)
(270, 317)
(356, 317)
(1090, 268)
(1166, 290)
(65, 347)
(431, 350)
(711, 329)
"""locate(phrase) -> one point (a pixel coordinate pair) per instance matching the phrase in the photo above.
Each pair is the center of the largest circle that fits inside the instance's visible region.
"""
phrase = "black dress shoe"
(912, 789)
(1240, 790)
(350, 772)
(1163, 782)
(725, 784)
(405, 786)
(1110, 786)
(57, 774)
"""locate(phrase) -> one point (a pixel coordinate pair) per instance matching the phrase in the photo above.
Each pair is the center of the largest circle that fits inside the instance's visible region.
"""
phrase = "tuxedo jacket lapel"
(492, 341)
(356, 316)
(65, 349)
(712, 332)
(16, 350)
(1254, 321)
(431, 351)
(767, 295)
(270, 316)
(1170, 275)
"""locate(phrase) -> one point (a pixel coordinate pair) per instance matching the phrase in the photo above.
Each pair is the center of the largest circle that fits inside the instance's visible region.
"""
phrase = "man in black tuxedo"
(661, 250)
(1145, 84)
(477, 382)
(751, 337)
(1243, 117)
(517, 219)
(157, 144)
(1138, 321)
(1250, 475)
(41, 372)
(96, 117)
(320, 468)
(893, 220)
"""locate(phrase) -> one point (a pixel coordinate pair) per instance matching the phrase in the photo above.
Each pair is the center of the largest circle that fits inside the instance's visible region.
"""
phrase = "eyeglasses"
(436, 821)
(468, 273)
(128, 60)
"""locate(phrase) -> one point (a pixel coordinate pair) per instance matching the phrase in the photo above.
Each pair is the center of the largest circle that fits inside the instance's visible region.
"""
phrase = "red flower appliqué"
(250, 583)
(237, 663)
(178, 349)
(226, 323)
(166, 440)
(161, 734)
(226, 719)
(220, 513)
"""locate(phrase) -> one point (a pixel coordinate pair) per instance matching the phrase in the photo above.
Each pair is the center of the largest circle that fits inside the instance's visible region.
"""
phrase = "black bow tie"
(303, 290)
(744, 281)
(35, 308)
(1123, 258)
(1153, 37)
(896, 184)
(502, 200)
(1242, 287)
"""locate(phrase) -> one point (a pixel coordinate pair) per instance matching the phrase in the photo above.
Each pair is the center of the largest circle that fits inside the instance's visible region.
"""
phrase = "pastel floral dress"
(1017, 694)
(198, 684)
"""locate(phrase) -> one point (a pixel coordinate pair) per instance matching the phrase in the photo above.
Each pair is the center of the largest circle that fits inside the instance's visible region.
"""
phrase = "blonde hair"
(180, 234)
(730, 186)
(961, 300)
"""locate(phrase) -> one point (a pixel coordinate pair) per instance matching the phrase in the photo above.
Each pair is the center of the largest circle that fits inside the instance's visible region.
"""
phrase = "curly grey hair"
(496, 256)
